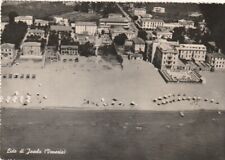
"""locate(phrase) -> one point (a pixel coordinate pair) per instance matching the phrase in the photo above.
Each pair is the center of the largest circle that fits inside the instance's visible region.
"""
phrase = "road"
(127, 16)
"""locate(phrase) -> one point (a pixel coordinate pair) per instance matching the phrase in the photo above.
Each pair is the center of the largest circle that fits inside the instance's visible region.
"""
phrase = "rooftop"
(192, 46)
(151, 20)
(36, 31)
(61, 28)
(80, 23)
(8, 45)
(28, 44)
(216, 55)
(24, 17)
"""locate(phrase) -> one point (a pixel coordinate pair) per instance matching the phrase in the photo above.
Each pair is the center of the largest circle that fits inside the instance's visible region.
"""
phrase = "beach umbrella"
(114, 99)
(184, 94)
(165, 96)
(113, 103)
(133, 103)
(217, 103)
(159, 98)
(158, 104)
(199, 98)
(102, 100)
(212, 100)
(154, 100)
(14, 99)
(45, 97)
(219, 112)
(206, 99)
(179, 99)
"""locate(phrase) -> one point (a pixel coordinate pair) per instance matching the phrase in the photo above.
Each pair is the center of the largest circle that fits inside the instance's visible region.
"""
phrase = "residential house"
(186, 23)
(195, 52)
(69, 53)
(61, 21)
(40, 22)
(120, 30)
(216, 60)
(166, 57)
(7, 51)
(59, 28)
(114, 21)
(31, 50)
(89, 28)
(159, 10)
(51, 54)
(152, 24)
(139, 11)
(138, 45)
(164, 34)
(26, 19)
(36, 32)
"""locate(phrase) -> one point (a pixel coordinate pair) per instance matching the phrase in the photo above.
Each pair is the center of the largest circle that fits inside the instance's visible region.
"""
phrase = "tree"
(86, 49)
(178, 34)
(12, 16)
(142, 34)
(120, 39)
(135, 18)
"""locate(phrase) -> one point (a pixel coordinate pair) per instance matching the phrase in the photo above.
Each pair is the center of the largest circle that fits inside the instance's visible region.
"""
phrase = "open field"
(67, 85)
(110, 135)
(80, 16)
(36, 9)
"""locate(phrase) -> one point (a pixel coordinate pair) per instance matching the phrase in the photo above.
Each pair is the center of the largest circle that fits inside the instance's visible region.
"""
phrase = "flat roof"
(8, 45)
(60, 28)
(114, 19)
(216, 55)
(151, 20)
(36, 44)
(82, 23)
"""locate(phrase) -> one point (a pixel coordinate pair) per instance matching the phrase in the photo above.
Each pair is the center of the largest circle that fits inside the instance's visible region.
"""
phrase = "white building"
(171, 26)
(61, 21)
(164, 34)
(36, 32)
(26, 19)
(31, 50)
(148, 23)
(40, 22)
(159, 10)
(114, 21)
(196, 52)
(139, 11)
(186, 23)
(216, 60)
(89, 28)
(130, 33)
(7, 51)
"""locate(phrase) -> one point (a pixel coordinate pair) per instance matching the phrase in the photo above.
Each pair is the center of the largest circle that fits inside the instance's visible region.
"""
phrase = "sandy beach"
(93, 83)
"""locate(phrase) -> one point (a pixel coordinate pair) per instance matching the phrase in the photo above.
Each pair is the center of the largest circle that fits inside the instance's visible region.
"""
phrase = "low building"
(139, 11)
(171, 26)
(69, 53)
(59, 28)
(159, 10)
(26, 19)
(195, 52)
(115, 15)
(36, 32)
(7, 51)
(164, 34)
(186, 23)
(152, 24)
(216, 60)
(89, 28)
(166, 57)
(114, 21)
(40, 22)
(119, 30)
(138, 45)
(31, 50)
(51, 54)
(61, 21)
